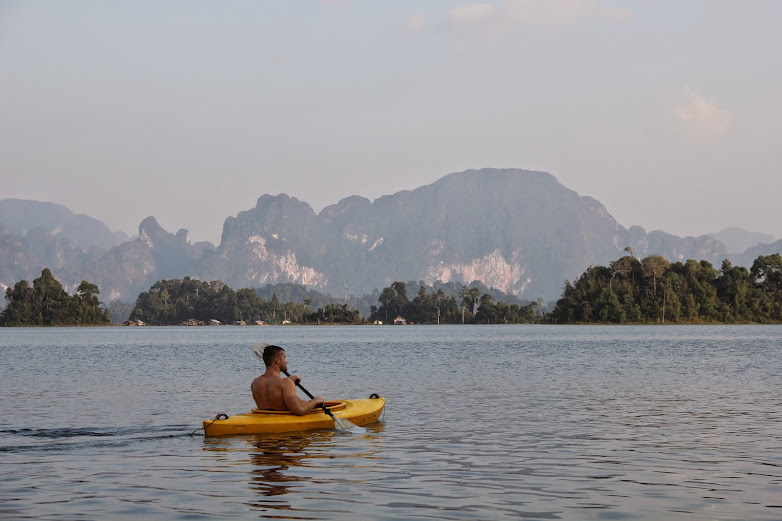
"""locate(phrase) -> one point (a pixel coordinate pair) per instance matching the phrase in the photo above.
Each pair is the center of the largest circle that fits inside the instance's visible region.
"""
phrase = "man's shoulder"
(264, 378)
(270, 376)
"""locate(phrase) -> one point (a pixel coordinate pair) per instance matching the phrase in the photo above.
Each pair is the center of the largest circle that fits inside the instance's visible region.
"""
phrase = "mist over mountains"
(20, 217)
(519, 231)
(738, 240)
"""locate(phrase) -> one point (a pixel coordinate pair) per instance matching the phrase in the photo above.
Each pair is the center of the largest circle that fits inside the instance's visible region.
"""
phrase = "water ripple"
(481, 423)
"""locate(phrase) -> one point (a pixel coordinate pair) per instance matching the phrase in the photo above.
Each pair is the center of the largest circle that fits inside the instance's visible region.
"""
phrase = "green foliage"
(438, 307)
(291, 292)
(656, 291)
(174, 301)
(491, 312)
(334, 314)
(393, 302)
(46, 303)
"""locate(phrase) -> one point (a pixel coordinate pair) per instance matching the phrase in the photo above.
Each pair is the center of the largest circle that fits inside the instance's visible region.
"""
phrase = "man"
(272, 391)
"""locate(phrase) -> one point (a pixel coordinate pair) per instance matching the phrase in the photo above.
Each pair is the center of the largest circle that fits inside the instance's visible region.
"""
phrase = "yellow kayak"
(359, 412)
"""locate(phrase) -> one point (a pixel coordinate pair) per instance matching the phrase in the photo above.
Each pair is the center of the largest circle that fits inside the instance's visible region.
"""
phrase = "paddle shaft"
(308, 394)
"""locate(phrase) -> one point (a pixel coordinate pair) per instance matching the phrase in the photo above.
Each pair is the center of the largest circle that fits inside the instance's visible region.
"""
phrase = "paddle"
(340, 423)
(323, 406)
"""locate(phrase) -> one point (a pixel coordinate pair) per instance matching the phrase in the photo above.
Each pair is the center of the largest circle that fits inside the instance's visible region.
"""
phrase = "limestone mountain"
(25, 256)
(519, 231)
(132, 267)
(748, 257)
(19, 216)
(738, 240)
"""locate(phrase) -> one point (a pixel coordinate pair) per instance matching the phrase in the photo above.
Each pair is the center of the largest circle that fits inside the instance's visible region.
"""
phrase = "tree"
(654, 266)
(20, 307)
(47, 304)
(400, 300)
(767, 272)
(88, 305)
(621, 267)
(673, 287)
(470, 298)
(386, 300)
(488, 312)
(51, 299)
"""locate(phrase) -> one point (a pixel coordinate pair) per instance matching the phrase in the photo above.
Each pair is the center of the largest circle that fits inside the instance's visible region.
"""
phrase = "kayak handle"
(286, 373)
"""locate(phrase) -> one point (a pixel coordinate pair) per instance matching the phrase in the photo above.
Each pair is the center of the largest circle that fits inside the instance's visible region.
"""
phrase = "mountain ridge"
(22, 215)
(517, 230)
(738, 240)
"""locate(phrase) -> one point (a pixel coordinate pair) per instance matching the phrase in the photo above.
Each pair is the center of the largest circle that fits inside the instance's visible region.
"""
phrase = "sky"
(668, 113)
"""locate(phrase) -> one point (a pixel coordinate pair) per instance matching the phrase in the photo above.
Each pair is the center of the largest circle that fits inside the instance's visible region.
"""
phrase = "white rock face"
(492, 269)
(145, 238)
(284, 266)
(364, 239)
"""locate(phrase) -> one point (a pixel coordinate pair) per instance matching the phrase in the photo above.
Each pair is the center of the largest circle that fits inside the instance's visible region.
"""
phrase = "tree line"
(46, 303)
(438, 307)
(654, 290)
(175, 301)
(628, 290)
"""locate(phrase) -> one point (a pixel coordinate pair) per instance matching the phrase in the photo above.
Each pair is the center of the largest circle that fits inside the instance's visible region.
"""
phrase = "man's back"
(268, 392)
(272, 391)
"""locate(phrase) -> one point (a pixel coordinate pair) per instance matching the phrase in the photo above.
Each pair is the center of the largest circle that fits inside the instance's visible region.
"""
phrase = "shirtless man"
(272, 391)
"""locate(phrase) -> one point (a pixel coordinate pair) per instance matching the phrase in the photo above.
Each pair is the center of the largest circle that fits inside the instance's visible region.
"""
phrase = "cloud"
(489, 21)
(474, 20)
(701, 118)
(530, 13)
(417, 22)
(339, 4)
(549, 13)
(470, 15)
(615, 14)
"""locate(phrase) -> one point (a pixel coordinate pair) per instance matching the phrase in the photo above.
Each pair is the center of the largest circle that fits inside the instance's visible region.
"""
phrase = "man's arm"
(295, 404)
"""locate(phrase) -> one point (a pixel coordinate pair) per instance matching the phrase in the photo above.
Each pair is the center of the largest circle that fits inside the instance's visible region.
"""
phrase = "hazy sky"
(667, 112)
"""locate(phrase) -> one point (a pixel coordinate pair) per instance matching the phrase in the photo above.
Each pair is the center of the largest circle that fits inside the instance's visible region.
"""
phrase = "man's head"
(270, 353)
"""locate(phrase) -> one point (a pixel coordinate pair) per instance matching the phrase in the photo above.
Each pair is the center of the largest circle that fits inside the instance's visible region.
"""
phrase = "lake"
(481, 422)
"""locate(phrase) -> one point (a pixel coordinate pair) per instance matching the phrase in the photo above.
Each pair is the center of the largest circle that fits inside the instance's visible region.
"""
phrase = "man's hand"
(294, 378)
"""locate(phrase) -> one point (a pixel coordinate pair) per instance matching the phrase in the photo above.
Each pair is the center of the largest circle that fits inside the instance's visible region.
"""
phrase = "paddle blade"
(341, 424)
(258, 350)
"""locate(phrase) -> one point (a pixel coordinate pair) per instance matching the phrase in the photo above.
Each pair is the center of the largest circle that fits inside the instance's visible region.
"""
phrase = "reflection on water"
(299, 463)
(273, 456)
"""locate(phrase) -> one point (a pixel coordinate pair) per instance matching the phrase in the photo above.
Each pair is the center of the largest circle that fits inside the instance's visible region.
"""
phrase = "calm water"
(482, 422)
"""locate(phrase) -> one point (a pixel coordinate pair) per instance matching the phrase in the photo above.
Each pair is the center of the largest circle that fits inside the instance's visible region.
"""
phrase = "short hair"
(270, 353)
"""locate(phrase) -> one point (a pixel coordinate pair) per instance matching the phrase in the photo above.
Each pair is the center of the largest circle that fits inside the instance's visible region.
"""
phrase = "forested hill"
(45, 303)
(653, 290)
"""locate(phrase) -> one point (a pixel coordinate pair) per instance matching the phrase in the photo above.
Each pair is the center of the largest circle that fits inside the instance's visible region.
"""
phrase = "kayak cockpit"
(331, 406)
